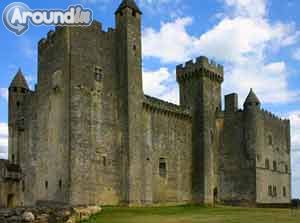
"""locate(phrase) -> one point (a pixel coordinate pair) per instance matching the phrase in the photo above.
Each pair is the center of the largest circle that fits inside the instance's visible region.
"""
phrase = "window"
(211, 136)
(284, 191)
(98, 73)
(18, 104)
(23, 186)
(286, 169)
(134, 47)
(270, 191)
(267, 164)
(60, 184)
(274, 191)
(270, 140)
(23, 90)
(104, 160)
(258, 157)
(274, 165)
(134, 13)
(13, 158)
(162, 167)
(46, 184)
(15, 89)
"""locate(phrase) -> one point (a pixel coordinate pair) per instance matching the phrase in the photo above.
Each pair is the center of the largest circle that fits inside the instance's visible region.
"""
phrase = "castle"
(87, 134)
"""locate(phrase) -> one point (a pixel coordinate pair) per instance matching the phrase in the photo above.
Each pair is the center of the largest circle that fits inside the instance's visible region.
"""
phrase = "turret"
(129, 59)
(252, 102)
(253, 138)
(18, 90)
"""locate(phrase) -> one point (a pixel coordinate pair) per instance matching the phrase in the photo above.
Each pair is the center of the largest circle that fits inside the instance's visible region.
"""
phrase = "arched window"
(267, 164)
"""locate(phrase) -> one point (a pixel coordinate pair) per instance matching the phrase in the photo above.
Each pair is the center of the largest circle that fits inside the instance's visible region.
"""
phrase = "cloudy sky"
(258, 42)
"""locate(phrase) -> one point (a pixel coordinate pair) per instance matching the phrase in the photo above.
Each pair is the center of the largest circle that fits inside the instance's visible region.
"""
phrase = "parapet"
(49, 40)
(157, 105)
(202, 66)
(270, 116)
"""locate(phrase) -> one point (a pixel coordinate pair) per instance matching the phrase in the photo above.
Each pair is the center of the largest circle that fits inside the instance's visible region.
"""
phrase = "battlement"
(50, 39)
(270, 116)
(202, 66)
(157, 105)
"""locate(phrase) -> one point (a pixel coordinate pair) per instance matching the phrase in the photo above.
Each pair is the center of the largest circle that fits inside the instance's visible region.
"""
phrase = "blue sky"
(258, 42)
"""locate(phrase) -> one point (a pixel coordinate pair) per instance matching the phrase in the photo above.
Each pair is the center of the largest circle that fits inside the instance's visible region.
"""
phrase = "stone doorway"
(10, 201)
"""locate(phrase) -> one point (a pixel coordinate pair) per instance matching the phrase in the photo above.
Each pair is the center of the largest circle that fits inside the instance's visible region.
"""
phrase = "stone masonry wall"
(275, 151)
(167, 136)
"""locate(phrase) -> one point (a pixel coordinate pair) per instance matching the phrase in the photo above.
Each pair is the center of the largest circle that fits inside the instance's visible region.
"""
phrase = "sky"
(257, 41)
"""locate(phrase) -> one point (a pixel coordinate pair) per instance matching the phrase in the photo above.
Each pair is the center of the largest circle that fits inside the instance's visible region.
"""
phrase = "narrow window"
(60, 184)
(211, 136)
(23, 186)
(274, 191)
(13, 158)
(258, 157)
(15, 89)
(134, 13)
(270, 191)
(274, 165)
(23, 90)
(162, 167)
(104, 160)
(267, 164)
(46, 184)
(284, 191)
(18, 104)
(270, 140)
(134, 47)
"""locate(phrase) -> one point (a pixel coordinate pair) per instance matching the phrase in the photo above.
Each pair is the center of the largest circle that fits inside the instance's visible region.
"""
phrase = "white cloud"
(171, 43)
(249, 8)
(4, 93)
(296, 54)
(295, 128)
(160, 83)
(241, 40)
(3, 140)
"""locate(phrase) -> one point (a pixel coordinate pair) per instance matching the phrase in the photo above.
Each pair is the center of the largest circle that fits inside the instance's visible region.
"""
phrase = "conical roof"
(19, 81)
(252, 98)
(128, 4)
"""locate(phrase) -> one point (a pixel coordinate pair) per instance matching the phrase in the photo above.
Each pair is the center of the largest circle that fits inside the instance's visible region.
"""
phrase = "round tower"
(129, 68)
(253, 138)
(17, 91)
(252, 116)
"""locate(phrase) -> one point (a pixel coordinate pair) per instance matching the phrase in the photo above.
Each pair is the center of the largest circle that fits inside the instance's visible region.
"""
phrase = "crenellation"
(167, 108)
(202, 66)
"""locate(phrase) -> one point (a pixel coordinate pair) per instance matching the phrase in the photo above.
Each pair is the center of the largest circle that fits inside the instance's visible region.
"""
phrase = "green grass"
(194, 214)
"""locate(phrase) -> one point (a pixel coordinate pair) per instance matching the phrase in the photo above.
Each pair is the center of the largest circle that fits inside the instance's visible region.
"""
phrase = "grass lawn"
(194, 214)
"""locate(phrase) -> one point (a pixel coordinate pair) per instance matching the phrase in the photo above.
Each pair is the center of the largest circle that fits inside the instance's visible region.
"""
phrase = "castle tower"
(128, 37)
(253, 138)
(251, 118)
(200, 90)
(18, 90)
